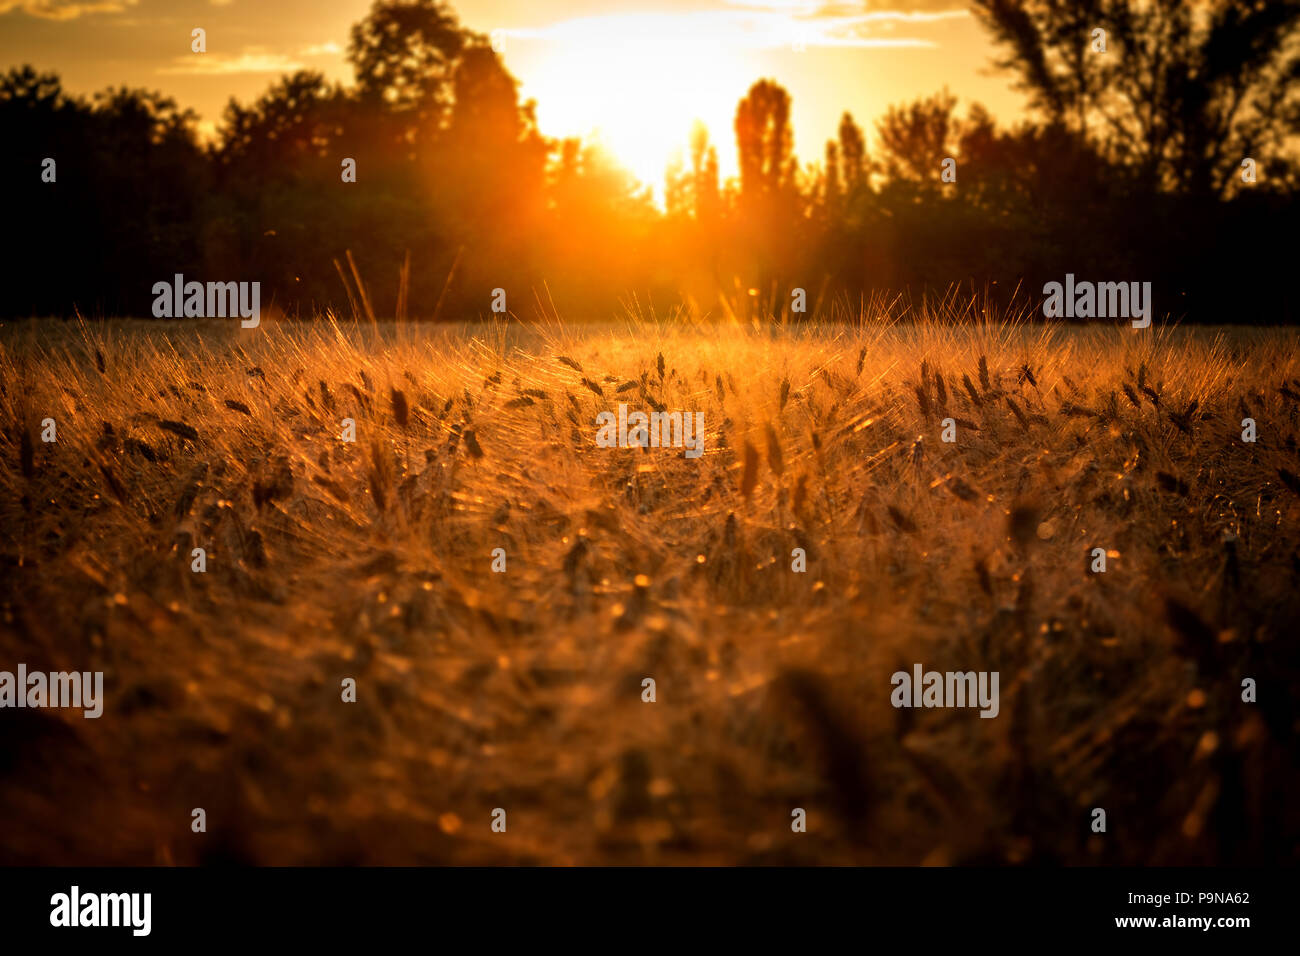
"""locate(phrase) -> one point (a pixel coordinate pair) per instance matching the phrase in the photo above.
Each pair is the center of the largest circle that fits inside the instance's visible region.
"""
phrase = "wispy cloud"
(321, 49)
(916, 9)
(252, 60)
(65, 9)
(756, 24)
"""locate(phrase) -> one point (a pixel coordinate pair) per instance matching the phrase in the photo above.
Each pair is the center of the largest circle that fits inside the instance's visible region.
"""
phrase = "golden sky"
(635, 72)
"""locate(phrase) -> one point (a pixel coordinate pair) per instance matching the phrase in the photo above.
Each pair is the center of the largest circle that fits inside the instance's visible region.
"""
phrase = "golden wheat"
(522, 689)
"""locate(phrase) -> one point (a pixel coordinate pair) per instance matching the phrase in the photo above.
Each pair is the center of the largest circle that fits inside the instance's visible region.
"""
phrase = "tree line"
(1159, 146)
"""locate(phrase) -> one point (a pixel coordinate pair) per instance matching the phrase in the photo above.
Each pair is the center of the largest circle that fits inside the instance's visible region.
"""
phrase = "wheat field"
(522, 689)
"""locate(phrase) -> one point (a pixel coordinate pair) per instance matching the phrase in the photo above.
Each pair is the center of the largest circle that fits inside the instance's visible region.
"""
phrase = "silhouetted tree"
(404, 53)
(853, 156)
(490, 171)
(127, 184)
(295, 125)
(1184, 90)
(831, 192)
(914, 141)
(768, 196)
(704, 174)
(677, 188)
(454, 178)
(764, 141)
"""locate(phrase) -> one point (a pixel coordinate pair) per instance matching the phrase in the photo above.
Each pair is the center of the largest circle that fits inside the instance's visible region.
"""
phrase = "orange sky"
(637, 71)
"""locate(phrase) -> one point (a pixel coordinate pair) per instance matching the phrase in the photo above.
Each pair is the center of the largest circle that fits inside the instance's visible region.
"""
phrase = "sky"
(634, 73)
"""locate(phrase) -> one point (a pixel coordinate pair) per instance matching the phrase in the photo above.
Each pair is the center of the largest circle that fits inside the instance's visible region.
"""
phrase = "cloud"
(321, 49)
(252, 60)
(65, 9)
(840, 28)
(843, 8)
(756, 24)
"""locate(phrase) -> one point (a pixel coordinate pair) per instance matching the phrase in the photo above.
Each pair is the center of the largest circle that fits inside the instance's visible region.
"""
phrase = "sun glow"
(637, 83)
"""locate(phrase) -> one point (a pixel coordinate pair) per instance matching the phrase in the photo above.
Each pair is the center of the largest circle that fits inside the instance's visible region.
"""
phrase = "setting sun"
(638, 82)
